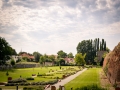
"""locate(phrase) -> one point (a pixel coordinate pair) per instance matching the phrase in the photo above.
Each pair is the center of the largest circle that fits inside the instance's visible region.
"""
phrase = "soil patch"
(105, 82)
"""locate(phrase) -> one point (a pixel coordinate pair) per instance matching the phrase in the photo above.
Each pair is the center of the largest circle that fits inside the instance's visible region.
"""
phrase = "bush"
(91, 87)
(10, 84)
(12, 62)
(29, 78)
(52, 82)
(26, 84)
(33, 74)
(49, 74)
(44, 83)
(33, 83)
(41, 75)
(17, 80)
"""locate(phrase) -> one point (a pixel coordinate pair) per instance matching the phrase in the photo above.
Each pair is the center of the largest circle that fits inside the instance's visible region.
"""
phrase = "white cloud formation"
(50, 25)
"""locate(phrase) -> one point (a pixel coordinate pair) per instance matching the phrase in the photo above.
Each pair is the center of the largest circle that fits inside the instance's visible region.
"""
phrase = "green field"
(27, 72)
(90, 76)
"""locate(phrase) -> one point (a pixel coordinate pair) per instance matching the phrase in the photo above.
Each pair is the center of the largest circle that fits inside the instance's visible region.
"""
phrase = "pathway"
(66, 80)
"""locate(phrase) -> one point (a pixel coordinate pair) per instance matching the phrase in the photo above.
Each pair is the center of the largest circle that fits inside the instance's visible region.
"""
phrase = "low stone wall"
(26, 65)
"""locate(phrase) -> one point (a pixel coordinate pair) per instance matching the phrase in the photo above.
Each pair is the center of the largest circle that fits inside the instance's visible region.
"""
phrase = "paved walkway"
(66, 80)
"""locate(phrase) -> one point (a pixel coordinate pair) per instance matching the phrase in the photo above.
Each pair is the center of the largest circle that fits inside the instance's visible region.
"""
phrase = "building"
(100, 55)
(69, 60)
(29, 56)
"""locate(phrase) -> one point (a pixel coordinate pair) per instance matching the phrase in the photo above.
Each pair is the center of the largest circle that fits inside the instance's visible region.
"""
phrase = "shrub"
(10, 84)
(33, 74)
(49, 74)
(52, 82)
(17, 80)
(44, 83)
(26, 84)
(41, 75)
(29, 78)
(33, 83)
(22, 83)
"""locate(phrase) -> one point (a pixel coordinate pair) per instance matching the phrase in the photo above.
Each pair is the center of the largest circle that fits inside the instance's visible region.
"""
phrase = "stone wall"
(27, 65)
(111, 65)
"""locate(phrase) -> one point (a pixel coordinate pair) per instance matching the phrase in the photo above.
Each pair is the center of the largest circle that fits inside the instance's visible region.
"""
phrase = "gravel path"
(66, 80)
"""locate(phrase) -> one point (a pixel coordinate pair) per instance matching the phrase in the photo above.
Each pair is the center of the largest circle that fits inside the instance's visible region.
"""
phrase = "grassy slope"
(88, 77)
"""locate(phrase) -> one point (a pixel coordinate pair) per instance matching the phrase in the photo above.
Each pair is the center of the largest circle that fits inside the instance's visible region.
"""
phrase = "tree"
(12, 62)
(70, 55)
(42, 60)
(104, 46)
(5, 50)
(79, 59)
(98, 44)
(87, 47)
(107, 49)
(37, 56)
(61, 62)
(52, 58)
(62, 54)
(90, 47)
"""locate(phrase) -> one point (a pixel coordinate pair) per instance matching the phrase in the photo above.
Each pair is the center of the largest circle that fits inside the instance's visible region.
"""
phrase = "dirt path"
(105, 82)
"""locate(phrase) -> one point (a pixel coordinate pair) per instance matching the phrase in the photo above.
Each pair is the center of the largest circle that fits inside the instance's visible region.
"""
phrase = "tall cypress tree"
(97, 44)
(104, 46)
(100, 46)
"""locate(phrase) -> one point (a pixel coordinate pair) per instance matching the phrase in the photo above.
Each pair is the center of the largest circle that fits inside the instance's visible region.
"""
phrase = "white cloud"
(48, 26)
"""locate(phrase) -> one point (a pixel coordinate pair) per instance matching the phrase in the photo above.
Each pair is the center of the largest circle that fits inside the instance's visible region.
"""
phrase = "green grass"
(27, 72)
(90, 76)
(19, 87)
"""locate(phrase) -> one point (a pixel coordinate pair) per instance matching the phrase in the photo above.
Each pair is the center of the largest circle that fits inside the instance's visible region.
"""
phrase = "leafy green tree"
(79, 59)
(5, 50)
(52, 58)
(107, 49)
(86, 47)
(70, 55)
(62, 54)
(37, 56)
(61, 62)
(90, 47)
(12, 62)
(42, 60)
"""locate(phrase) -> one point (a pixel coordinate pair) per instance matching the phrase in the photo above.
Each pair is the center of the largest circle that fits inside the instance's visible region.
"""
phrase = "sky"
(48, 26)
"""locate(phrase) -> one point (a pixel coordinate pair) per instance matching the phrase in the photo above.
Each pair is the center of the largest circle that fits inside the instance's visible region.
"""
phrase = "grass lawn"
(90, 76)
(27, 72)
(14, 87)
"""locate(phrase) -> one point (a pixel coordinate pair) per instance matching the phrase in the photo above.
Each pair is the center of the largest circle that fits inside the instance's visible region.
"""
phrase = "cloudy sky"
(48, 26)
